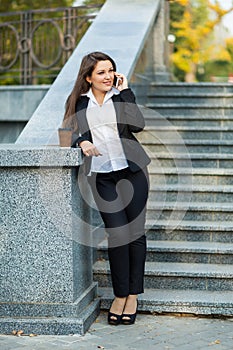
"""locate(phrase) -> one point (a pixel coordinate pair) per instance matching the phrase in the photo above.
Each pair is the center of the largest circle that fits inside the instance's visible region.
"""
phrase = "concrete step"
(202, 98)
(215, 212)
(182, 251)
(159, 275)
(198, 160)
(180, 133)
(189, 92)
(183, 230)
(154, 118)
(199, 302)
(189, 146)
(190, 252)
(190, 176)
(196, 193)
(194, 88)
(195, 109)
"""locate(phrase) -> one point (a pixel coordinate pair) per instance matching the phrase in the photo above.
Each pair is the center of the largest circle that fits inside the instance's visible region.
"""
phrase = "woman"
(116, 167)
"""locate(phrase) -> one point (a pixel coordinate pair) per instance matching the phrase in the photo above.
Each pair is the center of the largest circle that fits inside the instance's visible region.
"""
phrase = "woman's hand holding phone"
(120, 81)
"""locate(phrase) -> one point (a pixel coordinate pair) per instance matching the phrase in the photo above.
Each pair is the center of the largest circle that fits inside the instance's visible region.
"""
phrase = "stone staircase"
(189, 136)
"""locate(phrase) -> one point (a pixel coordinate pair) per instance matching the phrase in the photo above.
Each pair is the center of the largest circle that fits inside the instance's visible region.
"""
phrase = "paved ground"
(149, 332)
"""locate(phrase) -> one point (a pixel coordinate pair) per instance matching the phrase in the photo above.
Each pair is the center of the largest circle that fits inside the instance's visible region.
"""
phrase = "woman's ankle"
(131, 304)
(118, 305)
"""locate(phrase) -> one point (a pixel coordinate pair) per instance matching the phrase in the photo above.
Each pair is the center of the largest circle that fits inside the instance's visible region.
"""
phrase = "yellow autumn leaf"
(223, 55)
(229, 41)
(183, 2)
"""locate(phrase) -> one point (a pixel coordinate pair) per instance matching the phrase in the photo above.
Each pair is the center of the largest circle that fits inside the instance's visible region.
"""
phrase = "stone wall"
(18, 103)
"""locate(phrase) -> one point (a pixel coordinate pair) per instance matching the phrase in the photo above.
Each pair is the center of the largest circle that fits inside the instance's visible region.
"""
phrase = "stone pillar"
(160, 43)
(46, 258)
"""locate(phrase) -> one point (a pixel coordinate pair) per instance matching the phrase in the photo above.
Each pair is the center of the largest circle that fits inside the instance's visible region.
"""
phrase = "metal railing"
(35, 44)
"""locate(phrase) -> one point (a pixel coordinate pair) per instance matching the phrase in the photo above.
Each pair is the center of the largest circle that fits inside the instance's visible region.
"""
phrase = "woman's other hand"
(89, 149)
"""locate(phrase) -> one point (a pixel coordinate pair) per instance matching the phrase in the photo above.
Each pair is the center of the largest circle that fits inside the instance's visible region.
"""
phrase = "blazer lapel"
(119, 109)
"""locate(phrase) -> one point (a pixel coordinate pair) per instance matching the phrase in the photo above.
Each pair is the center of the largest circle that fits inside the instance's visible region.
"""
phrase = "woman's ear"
(88, 79)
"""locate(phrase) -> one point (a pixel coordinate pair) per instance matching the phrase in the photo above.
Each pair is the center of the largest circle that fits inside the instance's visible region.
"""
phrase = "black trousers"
(121, 198)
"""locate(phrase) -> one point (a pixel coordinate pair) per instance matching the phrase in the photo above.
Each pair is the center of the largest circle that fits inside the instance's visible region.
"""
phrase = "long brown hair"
(81, 85)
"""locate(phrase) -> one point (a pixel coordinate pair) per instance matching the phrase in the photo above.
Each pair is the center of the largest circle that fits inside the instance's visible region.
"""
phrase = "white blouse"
(105, 136)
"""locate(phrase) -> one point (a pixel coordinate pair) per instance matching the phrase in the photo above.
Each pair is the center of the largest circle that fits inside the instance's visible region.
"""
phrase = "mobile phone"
(116, 81)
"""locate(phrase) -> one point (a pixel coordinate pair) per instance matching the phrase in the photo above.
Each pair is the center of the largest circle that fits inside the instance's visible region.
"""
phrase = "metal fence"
(35, 44)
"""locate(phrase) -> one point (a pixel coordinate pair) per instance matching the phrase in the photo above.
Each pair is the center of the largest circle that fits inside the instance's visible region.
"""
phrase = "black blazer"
(129, 120)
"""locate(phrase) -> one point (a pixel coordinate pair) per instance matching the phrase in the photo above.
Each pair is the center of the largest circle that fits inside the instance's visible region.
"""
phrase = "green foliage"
(229, 47)
(219, 68)
(176, 13)
(22, 5)
(94, 2)
(216, 70)
(200, 12)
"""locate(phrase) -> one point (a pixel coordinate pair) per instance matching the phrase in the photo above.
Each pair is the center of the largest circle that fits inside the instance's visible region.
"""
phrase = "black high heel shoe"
(114, 319)
(128, 319)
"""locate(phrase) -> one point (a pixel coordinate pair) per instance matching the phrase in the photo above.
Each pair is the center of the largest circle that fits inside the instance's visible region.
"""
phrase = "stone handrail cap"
(12, 155)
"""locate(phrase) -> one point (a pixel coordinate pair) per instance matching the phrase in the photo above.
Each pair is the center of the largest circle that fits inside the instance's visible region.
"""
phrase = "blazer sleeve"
(134, 117)
(77, 139)
(82, 132)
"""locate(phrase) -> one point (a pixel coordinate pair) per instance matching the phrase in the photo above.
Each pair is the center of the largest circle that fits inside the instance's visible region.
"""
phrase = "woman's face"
(102, 76)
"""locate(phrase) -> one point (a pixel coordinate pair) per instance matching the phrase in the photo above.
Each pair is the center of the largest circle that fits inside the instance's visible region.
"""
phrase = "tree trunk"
(190, 77)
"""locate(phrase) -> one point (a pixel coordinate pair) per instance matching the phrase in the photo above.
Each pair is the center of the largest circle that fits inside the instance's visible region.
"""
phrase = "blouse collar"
(107, 96)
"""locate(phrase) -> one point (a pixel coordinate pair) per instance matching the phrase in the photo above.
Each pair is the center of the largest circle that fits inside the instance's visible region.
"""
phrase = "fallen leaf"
(19, 333)
(217, 341)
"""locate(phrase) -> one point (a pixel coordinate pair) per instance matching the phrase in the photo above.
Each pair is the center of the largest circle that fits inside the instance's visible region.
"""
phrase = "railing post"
(69, 30)
(25, 59)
